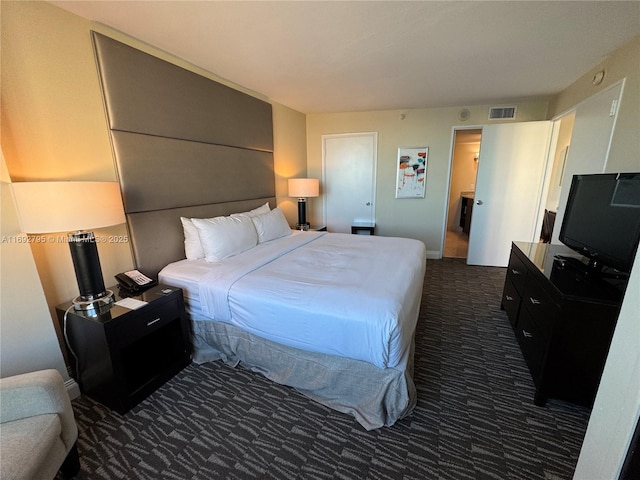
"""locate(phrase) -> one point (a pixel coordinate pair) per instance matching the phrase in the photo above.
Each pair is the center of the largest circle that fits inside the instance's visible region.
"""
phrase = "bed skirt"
(375, 397)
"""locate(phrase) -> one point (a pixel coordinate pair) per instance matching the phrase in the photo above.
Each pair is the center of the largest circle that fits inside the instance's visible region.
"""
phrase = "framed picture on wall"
(411, 172)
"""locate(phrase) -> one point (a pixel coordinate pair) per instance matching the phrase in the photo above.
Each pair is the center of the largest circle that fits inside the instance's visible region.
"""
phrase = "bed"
(331, 315)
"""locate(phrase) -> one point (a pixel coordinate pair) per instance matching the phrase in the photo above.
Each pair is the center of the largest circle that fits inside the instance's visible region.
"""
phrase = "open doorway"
(464, 168)
(563, 128)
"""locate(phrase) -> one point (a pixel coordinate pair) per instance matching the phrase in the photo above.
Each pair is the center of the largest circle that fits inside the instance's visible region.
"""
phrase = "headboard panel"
(183, 145)
(158, 172)
(146, 94)
(157, 238)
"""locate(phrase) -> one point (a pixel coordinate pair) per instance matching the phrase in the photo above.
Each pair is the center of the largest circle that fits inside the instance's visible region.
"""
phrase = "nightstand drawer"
(146, 321)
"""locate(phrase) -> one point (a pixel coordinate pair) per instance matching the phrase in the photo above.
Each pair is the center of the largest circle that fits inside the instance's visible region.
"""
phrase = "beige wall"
(430, 127)
(623, 63)
(290, 155)
(54, 125)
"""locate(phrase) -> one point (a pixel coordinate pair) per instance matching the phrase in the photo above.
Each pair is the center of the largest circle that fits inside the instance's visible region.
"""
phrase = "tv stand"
(562, 318)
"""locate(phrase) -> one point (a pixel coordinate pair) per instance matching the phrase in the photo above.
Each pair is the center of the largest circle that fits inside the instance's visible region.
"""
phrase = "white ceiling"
(334, 56)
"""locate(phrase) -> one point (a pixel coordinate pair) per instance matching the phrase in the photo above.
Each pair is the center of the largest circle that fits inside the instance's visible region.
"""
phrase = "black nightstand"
(124, 355)
(313, 228)
(363, 228)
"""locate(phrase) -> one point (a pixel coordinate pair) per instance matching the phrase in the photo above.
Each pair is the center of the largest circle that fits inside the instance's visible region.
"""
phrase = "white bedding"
(353, 296)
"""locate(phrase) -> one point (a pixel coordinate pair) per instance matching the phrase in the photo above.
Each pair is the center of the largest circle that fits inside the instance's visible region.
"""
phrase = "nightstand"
(313, 228)
(363, 228)
(122, 355)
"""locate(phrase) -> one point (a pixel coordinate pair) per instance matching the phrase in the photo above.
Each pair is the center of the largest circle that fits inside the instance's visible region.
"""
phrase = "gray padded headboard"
(184, 145)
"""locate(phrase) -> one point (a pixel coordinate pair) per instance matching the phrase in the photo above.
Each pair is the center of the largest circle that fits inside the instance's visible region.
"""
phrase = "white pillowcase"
(192, 246)
(193, 249)
(271, 225)
(223, 237)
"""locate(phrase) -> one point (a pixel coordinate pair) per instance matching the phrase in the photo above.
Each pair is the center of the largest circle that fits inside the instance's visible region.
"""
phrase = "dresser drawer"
(145, 321)
(542, 308)
(517, 272)
(511, 301)
(532, 343)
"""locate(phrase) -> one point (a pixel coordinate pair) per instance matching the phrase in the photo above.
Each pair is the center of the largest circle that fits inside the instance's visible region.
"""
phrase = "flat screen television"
(602, 219)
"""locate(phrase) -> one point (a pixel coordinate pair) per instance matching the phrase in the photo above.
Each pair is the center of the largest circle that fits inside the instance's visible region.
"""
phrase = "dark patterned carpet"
(475, 417)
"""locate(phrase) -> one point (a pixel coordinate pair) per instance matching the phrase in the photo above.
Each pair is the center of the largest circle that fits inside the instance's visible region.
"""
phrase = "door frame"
(543, 190)
(374, 180)
(452, 147)
(556, 123)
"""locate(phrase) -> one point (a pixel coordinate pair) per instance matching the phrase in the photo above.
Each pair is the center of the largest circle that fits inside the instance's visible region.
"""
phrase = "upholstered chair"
(38, 431)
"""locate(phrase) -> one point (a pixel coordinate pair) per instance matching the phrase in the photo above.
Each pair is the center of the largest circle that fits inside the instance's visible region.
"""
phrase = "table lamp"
(74, 207)
(303, 188)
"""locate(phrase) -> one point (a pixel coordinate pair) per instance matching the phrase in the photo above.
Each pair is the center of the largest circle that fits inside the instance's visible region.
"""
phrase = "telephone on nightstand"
(134, 281)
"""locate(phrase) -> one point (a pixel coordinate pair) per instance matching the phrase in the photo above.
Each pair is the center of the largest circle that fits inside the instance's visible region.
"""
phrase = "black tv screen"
(602, 219)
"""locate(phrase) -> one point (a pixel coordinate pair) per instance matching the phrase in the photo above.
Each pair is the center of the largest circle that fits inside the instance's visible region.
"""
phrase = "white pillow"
(192, 246)
(271, 225)
(256, 211)
(223, 237)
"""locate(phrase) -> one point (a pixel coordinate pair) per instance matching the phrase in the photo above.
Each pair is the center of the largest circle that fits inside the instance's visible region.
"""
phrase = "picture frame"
(411, 177)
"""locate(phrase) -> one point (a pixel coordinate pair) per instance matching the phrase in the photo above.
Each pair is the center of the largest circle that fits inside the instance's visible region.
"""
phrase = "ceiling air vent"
(502, 113)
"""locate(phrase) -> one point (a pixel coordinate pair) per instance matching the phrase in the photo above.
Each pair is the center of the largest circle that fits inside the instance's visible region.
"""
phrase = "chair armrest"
(37, 393)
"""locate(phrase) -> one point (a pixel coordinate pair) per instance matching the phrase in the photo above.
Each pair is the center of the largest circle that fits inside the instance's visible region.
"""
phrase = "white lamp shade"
(47, 207)
(304, 187)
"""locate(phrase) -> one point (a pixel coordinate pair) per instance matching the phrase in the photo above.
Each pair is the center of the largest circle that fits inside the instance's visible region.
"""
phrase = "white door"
(349, 164)
(508, 189)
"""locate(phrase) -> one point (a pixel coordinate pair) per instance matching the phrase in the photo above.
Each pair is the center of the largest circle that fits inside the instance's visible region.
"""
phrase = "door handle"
(368, 204)
(479, 202)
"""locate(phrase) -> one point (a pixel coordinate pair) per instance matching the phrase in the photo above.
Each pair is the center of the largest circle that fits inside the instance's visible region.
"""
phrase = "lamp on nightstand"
(303, 188)
(49, 207)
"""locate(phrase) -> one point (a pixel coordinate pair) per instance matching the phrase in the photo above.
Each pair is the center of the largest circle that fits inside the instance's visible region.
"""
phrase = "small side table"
(122, 355)
(363, 228)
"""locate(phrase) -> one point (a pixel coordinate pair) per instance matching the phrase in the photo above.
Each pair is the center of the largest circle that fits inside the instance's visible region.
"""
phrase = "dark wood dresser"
(563, 319)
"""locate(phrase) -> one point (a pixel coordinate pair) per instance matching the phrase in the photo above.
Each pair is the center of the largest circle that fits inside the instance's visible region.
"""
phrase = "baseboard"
(73, 389)
(434, 254)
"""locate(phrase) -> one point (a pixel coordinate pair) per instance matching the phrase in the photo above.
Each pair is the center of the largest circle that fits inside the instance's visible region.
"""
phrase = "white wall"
(617, 406)
(27, 338)
(562, 145)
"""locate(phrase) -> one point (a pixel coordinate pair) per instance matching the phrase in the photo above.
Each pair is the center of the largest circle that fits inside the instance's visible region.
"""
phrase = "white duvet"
(354, 296)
